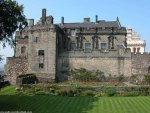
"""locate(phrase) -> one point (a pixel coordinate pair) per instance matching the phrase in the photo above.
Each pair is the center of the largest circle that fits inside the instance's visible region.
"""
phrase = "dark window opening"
(72, 46)
(88, 47)
(41, 65)
(41, 52)
(23, 49)
(149, 69)
(103, 46)
(36, 39)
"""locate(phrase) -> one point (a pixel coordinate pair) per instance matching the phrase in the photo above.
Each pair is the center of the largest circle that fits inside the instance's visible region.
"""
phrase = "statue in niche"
(149, 69)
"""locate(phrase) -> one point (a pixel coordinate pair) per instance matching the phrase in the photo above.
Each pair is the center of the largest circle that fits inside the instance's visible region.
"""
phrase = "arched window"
(23, 49)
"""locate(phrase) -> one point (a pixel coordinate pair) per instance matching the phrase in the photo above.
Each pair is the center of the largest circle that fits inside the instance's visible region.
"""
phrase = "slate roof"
(101, 24)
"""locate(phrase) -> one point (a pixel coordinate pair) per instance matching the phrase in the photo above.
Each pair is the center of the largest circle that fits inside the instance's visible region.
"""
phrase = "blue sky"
(132, 13)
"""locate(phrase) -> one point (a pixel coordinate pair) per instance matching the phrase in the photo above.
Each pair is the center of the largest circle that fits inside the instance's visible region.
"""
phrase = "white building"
(134, 42)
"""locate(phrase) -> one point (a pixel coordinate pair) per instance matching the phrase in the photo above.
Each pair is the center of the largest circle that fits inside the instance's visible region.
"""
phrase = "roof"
(101, 23)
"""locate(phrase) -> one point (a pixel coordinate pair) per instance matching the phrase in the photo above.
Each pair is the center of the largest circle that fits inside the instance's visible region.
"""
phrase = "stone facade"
(134, 42)
(140, 64)
(51, 50)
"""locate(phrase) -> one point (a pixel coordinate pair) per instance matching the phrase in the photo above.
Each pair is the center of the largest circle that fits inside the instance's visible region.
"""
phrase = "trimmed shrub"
(40, 93)
(130, 93)
(144, 90)
(71, 93)
(61, 92)
(87, 93)
(110, 92)
(51, 90)
(54, 86)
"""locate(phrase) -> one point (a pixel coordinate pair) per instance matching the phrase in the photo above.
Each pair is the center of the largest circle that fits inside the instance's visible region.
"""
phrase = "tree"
(11, 19)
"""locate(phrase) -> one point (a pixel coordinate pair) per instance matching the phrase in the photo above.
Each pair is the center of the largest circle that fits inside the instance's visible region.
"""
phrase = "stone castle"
(51, 50)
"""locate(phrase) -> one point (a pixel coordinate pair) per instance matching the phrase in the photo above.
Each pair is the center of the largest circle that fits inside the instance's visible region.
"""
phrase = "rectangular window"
(103, 45)
(23, 49)
(72, 32)
(87, 47)
(72, 46)
(41, 53)
(41, 65)
(36, 39)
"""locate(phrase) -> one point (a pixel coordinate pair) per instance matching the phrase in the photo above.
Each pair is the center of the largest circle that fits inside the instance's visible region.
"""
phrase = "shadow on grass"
(46, 104)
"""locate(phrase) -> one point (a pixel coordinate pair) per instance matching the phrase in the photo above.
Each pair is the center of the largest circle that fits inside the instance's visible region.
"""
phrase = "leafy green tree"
(11, 19)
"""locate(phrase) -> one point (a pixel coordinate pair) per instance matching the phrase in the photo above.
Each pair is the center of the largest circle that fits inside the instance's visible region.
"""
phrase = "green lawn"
(9, 101)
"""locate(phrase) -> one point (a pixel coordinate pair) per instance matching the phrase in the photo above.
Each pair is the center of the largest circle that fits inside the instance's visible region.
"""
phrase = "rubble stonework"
(50, 50)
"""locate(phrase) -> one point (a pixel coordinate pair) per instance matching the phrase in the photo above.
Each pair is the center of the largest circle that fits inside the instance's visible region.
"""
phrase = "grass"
(9, 90)
(59, 104)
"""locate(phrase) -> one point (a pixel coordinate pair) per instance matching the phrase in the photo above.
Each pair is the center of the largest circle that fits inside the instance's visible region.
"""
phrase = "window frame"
(41, 53)
(102, 44)
(90, 48)
(70, 47)
(23, 49)
(41, 65)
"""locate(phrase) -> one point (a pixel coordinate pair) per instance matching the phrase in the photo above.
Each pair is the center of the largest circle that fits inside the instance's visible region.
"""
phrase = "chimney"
(43, 16)
(62, 20)
(86, 20)
(96, 18)
(31, 22)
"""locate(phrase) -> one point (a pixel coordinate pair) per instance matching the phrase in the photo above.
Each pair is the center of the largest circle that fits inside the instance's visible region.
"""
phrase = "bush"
(87, 93)
(110, 92)
(38, 88)
(130, 93)
(147, 78)
(40, 93)
(144, 90)
(54, 86)
(86, 75)
(61, 92)
(71, 93)
(51, 90)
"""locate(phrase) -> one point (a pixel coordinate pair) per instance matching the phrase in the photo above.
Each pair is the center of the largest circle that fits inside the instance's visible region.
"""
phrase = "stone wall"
(140, 63)
(14, 67)
(46, 41)
(112, 63)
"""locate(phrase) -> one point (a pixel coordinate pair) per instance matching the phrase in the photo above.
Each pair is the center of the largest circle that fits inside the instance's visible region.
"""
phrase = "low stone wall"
(15, 66)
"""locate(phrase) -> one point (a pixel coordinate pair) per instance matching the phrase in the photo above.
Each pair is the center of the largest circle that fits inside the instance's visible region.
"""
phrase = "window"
(72, 46)
(41, 53)
(36, 39)
(23, 49)
(87, 47)
(103, 46)
(149, 69)
(72, 32)
(41, 65)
